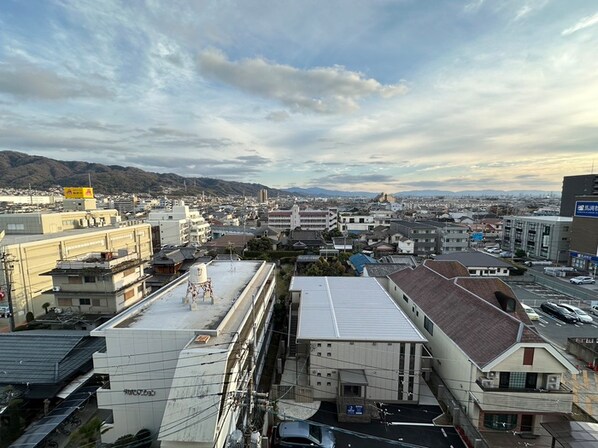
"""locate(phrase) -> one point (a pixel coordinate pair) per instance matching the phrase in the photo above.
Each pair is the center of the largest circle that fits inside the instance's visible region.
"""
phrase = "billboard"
(78, 192)
(586, 209)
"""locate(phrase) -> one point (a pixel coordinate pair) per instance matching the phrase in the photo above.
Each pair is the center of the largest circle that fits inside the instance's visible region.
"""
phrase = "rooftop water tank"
(198, 273)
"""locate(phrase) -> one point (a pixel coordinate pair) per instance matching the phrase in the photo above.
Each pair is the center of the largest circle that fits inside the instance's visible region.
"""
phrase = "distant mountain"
(19, 170)
(322, 192)
(477, 193)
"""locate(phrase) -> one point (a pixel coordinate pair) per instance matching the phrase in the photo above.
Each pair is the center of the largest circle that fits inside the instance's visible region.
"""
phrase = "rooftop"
(165, 309)
(542, 218)
(350, 309)
(474, 259)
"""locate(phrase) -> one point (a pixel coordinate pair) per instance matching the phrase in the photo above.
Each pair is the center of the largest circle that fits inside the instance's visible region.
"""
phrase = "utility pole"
(8, 282)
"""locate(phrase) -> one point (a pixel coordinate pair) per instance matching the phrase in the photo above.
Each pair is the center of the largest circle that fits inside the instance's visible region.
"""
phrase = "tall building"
(180, 362)
(423, 235)
(25, 258)
(263, 196)
(584, 185)
(545, 237)
(584, 235)
(451, 237)
(179, 226)
(304, 219)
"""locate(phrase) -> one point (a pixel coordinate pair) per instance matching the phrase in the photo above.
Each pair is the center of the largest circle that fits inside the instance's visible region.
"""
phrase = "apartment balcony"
(494, 399)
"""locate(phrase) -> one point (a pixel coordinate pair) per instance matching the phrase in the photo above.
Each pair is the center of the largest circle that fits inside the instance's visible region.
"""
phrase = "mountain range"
(322, 192)
(19, 170)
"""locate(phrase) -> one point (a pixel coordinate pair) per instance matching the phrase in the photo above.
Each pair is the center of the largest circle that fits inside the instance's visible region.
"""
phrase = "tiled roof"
(480, 328)
(44, 357)
(448, 269)
(474, 259)
(383, 270)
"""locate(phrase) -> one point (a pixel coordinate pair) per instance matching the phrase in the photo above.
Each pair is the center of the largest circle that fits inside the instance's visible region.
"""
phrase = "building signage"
(146, 392)
(586, 209)
(354, 409)
(477, 236)
(78, 193)
(586, 340)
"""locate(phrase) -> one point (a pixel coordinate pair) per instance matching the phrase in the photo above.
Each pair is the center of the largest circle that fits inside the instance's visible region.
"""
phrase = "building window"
(84, 301)
(319, 344)
(89, 279)
(429, 325)
(129, 294)
(351, 391)
(405, 298)
(96, 302)
(329, 354)
(328, 345)
(328, 383)
(75, 280)
(319, 354)
(528, 356)
(329, 374)
(505, 422)
(65, 302)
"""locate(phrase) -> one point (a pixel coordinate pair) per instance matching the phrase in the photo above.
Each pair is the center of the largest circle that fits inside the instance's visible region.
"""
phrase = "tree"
(124, 441)
(88, 433)
(520, 253)
(262, 244)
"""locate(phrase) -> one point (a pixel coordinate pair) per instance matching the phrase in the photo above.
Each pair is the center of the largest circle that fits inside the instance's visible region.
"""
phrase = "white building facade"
(304, 219)
(545, 237)
(180, 226)
(178, 361)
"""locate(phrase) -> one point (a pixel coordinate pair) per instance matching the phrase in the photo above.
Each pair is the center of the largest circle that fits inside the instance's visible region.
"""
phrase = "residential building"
(359, 346)
(179, 226)
(478, 264)
(263, 196)
(354, 223)
(584, 235)
(573, 186)
(27, 257)
(99, 283)
(451, 237)
(503, 374)
(187, 354)
(544, 237)
(45, 223)
(423, 235)
(304, 219)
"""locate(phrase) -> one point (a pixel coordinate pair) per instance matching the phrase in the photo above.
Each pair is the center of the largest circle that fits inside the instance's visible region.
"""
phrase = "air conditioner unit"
(56, 288)
(487, 383)
(553, 379)
(552, 386)
(490, 375)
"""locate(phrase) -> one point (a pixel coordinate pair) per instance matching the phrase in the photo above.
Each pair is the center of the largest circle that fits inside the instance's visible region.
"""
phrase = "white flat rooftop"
(350, 309)
(166, 310)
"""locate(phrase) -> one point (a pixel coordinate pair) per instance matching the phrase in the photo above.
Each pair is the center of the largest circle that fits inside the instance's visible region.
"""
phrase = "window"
(503, 422)
(328, 345)
(84, 301)
(75, 280)
(89, 279)
(429, 325)
(405, 298)
(129, 294)
(528, 356)
(96, 302)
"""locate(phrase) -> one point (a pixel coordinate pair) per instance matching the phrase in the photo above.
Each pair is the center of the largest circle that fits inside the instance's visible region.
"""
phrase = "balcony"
(494, 399)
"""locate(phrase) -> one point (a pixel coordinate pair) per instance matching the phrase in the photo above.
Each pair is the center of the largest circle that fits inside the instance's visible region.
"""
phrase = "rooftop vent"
(202, 339)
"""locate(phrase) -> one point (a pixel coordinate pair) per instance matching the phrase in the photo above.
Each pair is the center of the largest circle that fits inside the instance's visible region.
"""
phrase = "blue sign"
(354, 409)
(477, 236)
(586, 209)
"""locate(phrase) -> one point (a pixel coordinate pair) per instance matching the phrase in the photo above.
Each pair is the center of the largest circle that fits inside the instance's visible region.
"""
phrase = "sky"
(349, 95)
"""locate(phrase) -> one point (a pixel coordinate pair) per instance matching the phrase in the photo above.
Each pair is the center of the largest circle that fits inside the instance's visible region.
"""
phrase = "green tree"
(520, 253)
(88, 433)
(262, 244)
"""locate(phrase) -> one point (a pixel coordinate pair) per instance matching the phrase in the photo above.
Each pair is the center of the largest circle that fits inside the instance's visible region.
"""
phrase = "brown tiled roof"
(481, 329)
(448, 269)
(226, 240)
(486, 287)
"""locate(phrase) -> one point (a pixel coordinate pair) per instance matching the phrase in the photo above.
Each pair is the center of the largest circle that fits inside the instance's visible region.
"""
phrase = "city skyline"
(385, 96)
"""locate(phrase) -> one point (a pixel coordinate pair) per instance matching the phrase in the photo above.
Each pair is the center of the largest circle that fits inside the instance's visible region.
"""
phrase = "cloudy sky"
(352, 95)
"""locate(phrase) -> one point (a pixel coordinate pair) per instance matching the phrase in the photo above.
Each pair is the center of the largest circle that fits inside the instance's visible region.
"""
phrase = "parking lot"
(406, 425)
(557, 331)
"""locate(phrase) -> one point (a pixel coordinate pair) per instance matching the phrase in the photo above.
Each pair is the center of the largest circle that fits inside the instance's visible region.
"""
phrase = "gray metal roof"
(44, 357)
(382, 270)
(350, 309)
(474, 259)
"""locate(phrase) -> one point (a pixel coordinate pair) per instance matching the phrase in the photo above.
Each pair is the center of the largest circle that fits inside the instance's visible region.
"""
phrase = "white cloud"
(323, 90)
(582, 24)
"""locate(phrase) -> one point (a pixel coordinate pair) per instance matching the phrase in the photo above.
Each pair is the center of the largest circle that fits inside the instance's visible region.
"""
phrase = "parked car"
(4, 311)
(594, 310)
(538, 263)
(582, 280)
(505, 254)
(559, 312)
(581, 314)
(531, 313)
(302, 434)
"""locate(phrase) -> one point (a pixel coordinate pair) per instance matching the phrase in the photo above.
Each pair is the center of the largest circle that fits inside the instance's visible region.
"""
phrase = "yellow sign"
(78, 193)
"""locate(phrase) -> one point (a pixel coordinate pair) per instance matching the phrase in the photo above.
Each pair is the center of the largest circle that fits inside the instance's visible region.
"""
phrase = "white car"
(582, 280)
(531, 313)
(594, 310)
(581, 314)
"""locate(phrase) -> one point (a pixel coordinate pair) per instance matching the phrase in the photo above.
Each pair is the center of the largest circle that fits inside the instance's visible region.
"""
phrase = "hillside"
(19, 170)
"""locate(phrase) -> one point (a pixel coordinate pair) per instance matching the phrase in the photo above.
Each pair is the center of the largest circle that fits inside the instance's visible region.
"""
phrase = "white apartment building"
(179, 362)
(360, 346)
(504, 375)
(352, 223)
(546, 237)
(304, 219)
(180, 226)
